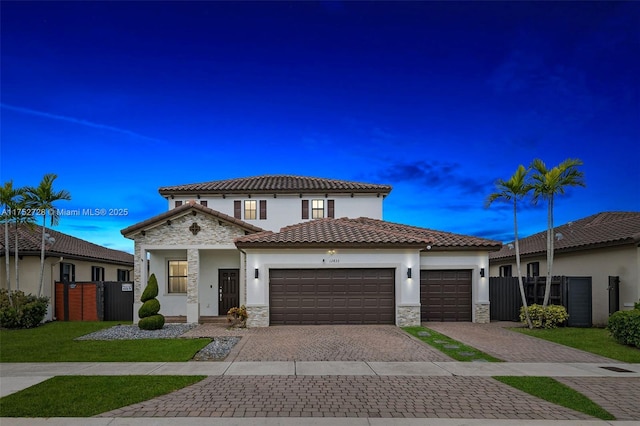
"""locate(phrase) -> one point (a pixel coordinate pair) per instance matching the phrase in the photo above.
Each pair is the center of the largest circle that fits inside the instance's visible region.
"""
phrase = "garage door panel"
(445, 295)
(332, 296)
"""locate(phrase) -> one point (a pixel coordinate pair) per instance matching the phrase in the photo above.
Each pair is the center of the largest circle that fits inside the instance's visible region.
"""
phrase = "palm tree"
(21, 218)
(8, 195)
(547, 183)
(42, 198)
(514, 189)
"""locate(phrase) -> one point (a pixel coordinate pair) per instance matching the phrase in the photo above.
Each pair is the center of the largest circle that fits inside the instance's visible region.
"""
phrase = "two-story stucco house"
(303, 250)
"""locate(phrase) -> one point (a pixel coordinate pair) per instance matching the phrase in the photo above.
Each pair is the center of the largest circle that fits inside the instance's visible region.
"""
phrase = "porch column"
(193, 270)
(139, 278)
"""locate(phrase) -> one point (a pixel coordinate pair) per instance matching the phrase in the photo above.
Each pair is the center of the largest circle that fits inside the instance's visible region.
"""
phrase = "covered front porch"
(194, 284)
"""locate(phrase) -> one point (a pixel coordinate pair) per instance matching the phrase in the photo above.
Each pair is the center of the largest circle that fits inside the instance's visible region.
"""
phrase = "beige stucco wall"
(29, 269)
(622, 261)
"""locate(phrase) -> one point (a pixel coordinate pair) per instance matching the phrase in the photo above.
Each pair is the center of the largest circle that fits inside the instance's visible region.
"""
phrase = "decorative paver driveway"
(511, 346)
(349, 396)
(324, 343)
(618, 395)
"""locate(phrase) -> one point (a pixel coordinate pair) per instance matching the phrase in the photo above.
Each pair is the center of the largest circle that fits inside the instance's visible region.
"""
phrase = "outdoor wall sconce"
(256, 273)
(408, 272)
(482, 272)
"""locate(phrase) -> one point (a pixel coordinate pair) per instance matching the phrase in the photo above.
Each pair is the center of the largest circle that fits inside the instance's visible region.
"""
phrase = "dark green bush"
(624, 326)
(151, 291)
(154, 322)
(149, 308)
(26, 311)
(150, 319)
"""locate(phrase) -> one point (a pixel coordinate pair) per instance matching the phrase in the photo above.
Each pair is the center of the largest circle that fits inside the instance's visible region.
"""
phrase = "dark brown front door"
(445, 295)
(228, 290)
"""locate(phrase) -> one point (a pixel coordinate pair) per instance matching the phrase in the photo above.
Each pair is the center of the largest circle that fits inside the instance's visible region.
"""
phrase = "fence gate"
(579, 301)
(505, 298)
(118, 301)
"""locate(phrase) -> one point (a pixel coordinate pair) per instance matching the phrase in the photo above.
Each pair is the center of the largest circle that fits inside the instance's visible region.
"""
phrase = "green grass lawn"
(53, 342)
(86, 396)
(553, 391)
(594, 340)
(439, 341)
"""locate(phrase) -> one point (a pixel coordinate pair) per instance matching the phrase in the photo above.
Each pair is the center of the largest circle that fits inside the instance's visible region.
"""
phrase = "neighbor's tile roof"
(185, 208)
(275, 184)
(362, 232)
(602, 229)
(29, 240)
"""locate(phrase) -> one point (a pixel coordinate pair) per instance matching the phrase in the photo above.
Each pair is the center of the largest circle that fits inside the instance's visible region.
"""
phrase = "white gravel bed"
(129, 332)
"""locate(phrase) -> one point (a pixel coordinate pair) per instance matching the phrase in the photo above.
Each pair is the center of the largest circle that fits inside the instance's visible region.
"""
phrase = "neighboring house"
(301, 250)
(600, 246)
(67, 258)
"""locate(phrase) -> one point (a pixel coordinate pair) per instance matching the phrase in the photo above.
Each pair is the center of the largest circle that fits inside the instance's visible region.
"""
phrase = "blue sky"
(436, 99)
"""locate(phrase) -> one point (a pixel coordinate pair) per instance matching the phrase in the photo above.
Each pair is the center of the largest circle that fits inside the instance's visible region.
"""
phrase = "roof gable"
(30, 238)
(183, 210)
(361, 232)
(275, 184)
(599, 230)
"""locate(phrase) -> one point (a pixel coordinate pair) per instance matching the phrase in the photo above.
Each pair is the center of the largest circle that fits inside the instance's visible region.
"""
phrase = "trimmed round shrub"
(624, 326)
(154, 322)
(149, 308)
(151, 291)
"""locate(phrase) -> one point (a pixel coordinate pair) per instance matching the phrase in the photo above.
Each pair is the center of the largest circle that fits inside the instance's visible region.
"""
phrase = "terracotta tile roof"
(598, 230)
(275, 184)
(29, 240)
(184, 209)
(361, 232)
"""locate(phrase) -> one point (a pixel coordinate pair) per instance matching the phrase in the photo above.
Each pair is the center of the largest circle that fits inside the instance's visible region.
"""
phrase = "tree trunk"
(16, 259)
(547, 286)
(6, 252)
(44, 222)
(520, 283)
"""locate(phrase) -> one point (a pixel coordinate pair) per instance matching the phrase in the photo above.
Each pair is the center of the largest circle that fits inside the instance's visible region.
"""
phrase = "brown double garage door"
(332, 296)
(363, 296)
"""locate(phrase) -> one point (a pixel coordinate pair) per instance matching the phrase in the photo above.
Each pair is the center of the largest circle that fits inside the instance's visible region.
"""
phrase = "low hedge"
(23, 310)
(550, 317)
(624, 326)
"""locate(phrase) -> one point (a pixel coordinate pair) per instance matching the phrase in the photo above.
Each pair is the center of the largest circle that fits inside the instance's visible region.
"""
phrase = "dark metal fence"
(574, 293)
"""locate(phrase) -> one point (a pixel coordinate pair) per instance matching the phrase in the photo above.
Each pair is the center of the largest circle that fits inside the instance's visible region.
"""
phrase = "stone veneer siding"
(408, 316)
(483, 315)
(258, 316)
(213, 232)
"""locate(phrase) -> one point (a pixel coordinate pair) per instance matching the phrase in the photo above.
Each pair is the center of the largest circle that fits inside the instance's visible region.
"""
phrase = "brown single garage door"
(331, 296)
(445, 295)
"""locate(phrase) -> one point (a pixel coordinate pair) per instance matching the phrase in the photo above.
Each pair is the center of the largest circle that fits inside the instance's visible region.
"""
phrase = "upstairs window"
(505, 271)
(97, 273)
(317, 209)
(263, 209)
(178, 203)
(204, 203)
(533, 269)
(250, 210)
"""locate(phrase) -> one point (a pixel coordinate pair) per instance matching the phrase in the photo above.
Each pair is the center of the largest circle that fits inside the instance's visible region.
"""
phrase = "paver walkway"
(511, 346)
(619, 396)
(349, 396)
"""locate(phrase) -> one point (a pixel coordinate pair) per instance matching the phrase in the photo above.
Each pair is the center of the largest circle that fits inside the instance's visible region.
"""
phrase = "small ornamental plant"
(550, 317)
(237, 317)
(150, 319)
